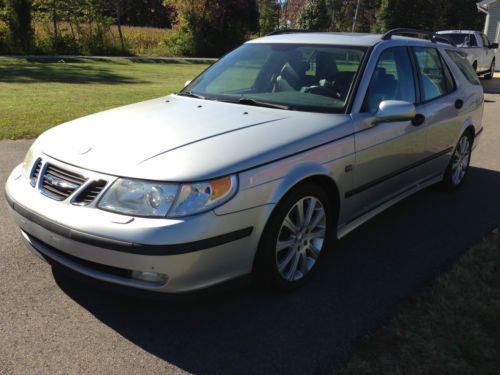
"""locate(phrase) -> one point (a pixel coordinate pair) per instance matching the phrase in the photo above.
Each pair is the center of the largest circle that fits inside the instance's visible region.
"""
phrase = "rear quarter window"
(464, 66)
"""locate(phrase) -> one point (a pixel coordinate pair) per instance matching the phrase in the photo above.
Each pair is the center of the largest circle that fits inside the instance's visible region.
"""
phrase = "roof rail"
(388, 35)
(289, 31)
(434, 38)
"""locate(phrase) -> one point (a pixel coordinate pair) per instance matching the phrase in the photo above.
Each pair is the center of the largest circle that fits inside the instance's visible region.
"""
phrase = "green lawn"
(35, 96)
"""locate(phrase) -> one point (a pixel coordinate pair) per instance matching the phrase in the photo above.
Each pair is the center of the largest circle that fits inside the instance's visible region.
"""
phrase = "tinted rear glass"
(465, 67)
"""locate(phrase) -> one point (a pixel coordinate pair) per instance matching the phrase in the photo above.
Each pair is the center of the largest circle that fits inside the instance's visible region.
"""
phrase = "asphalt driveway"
(52, 324)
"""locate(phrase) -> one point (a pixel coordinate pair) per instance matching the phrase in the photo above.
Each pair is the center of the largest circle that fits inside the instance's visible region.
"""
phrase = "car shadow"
(62, 72)
(314, 329)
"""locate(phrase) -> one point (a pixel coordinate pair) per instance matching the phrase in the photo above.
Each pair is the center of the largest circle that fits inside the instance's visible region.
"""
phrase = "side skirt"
(348, 227)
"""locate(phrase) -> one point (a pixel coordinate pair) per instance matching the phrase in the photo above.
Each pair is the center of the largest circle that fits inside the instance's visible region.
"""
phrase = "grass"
(144, 41)
(139, 41)
(453, 328)
(35, 96)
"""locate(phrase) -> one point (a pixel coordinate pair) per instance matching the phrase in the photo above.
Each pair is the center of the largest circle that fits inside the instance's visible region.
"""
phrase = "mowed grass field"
(37, 95)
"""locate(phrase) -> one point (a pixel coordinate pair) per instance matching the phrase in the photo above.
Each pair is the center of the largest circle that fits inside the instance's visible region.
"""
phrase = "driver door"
(386, 153)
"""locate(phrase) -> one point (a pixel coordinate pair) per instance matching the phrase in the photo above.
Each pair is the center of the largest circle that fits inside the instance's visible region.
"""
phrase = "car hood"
(185, 139)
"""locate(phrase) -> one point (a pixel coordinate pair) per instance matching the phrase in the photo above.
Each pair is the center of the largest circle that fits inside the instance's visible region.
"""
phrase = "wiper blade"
(191, 95)
(256, 103)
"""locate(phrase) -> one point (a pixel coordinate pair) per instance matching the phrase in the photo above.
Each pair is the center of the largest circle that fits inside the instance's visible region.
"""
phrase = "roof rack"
(429, 34)
(290, 31)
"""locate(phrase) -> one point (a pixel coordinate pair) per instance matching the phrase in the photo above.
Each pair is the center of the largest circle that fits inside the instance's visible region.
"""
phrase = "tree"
(459, 14)
(268, 16)
(314, 15)
(211, 28)
(430, 15)
(152, 13)
(19, 21)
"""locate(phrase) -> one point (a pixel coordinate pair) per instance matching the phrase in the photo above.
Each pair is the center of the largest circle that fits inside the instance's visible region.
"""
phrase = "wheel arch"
(320, 176)
(309, 173)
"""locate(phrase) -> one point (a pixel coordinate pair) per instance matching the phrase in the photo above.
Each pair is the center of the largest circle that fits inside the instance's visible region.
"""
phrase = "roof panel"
(350, 39)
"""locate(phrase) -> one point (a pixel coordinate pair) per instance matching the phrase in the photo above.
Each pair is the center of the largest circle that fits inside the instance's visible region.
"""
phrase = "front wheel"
(296, 238)
(459, 163)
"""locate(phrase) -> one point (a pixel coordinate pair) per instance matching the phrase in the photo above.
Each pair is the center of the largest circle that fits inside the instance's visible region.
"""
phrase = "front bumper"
(194, 253)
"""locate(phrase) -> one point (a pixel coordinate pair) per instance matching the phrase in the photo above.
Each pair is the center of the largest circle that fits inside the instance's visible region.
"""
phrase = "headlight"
(203, 196)
(155, 199)
(28, 162)
(139, 198)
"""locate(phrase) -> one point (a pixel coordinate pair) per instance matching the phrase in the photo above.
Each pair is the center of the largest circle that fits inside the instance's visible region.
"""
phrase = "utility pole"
(355, 16)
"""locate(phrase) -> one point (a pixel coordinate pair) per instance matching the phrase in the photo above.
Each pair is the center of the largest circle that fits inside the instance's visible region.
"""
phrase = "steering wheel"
(322, 90)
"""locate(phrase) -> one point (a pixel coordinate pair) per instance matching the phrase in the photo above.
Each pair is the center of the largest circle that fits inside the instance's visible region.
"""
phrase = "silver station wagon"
(256, 166)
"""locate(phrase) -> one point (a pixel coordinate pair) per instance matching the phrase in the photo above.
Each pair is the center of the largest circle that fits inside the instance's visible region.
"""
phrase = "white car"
(478, 49)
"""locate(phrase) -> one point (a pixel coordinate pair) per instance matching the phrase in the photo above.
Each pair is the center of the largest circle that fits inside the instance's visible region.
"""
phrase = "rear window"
(465, 67)
(462, 40)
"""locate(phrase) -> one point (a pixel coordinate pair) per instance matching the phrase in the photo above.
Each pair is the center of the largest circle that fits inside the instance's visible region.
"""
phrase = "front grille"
(36, 172)
(90, 193)
(59, 184)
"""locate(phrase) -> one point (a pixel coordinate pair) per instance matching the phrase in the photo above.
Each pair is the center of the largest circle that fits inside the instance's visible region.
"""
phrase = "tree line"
(209, 28)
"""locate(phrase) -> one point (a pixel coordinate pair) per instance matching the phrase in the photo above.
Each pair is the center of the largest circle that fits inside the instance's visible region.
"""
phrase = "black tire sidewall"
(265, 269)
(492, 70)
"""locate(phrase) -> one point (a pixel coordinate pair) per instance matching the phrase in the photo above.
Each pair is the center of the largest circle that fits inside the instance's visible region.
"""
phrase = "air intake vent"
(59, 184)
(90, 193)
(36, 172)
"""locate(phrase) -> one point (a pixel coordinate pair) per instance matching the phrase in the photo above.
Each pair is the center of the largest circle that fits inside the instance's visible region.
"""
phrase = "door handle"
(459, 103)
(418, 120)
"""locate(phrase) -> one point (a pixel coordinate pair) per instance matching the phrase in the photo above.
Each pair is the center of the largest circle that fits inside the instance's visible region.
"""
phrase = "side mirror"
(493, 45)
(187, 83)
(394, 110)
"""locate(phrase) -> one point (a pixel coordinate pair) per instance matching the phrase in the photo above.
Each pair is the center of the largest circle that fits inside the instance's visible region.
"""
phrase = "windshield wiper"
(256, 103)
(191, 95)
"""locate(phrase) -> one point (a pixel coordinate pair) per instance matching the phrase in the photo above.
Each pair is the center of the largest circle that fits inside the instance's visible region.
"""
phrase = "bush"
(181, 43)
(4, 37)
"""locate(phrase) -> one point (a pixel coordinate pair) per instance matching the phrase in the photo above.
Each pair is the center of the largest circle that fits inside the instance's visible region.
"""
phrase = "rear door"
(386, 153)
(440, 104)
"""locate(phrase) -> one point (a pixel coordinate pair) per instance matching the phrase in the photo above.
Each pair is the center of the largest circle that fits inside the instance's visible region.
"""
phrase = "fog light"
(151, 277)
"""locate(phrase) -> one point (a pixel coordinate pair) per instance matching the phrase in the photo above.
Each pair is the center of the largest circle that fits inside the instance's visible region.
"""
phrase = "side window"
(436, 79)
(392, 79)
(464, 66)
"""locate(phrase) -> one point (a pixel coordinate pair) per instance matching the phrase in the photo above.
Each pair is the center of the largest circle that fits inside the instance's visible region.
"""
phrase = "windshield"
(288, 76)
(462, 40)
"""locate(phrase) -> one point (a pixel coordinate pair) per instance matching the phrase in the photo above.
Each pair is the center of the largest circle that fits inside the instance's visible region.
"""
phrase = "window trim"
(420, 78)
(357, 82)
(447, 68)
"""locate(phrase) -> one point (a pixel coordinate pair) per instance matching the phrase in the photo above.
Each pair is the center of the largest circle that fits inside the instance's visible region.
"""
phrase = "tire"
(291, 248)
(491, 72)
(459, 163)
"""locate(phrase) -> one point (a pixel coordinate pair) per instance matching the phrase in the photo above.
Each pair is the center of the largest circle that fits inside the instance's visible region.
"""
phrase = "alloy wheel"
(461, 159)
(301, 238)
